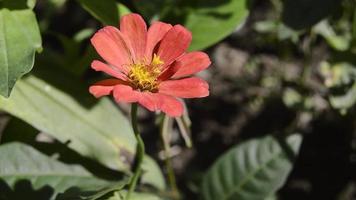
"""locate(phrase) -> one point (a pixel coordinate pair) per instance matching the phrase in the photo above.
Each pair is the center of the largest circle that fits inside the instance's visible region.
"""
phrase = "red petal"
(185, 88)
(174, 44)
(125, 93)
(154, 36)
(110, 44)
(150, 101)
(171, 106)
(100, 66)
(135, 30)
(104, 87)
(167, 104)
(169, 72)
(192, 63)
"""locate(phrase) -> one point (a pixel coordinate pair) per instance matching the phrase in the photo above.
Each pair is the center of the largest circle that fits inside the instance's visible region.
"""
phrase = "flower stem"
(168, 163)
(140, 152)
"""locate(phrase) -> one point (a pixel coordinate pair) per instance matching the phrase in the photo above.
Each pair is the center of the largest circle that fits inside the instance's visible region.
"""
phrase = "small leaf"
(345, 101)
(338, 42)
(340, 79)
(24, 163)
(19, 40)
(252, 170)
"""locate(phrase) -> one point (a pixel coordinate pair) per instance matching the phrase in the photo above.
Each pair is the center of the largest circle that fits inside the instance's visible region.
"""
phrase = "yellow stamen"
(156, 61)
(144, 77)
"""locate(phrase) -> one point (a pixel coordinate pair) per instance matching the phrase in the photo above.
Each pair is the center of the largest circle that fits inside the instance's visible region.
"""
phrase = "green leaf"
(338, 42)
(273, 197)
(55, 103)
(24, 163)
(19, 40)
(152, 174)
(340, 78)
(105, 191)
(123, 10)
(107, 12)
(134, 196)
(252, 170)
(112, 196)
(344, 101)
(209, 20)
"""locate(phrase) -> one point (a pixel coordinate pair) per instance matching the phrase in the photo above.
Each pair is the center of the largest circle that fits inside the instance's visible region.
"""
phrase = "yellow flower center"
(144, 77)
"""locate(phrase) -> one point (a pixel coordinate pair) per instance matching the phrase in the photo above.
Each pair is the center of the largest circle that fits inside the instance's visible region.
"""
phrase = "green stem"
(140, 152)
(168, 162)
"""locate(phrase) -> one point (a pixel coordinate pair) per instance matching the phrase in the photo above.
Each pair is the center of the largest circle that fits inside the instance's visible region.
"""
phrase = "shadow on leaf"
(24, 190)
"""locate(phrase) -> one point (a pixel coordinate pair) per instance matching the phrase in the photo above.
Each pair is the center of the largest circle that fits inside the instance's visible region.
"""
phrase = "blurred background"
(278, 68)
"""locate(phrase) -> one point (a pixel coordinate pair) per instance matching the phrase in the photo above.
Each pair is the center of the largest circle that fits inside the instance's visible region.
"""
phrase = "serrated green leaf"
(55, 103)
(21, 163)
(252, 170)
(19, 40)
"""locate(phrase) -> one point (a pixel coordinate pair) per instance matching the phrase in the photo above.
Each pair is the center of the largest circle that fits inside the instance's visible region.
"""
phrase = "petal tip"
(94, 91)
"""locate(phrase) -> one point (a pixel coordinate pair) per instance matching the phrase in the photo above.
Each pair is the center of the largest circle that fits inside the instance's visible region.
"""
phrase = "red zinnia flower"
(150, 66)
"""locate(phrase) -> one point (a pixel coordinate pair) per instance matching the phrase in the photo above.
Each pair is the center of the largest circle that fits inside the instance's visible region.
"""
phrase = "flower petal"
(150, 101)
(125, 93)
(169, 72)
(154, 36)
(185, 88)
(174, 44)
(171, 106)
(135, 30)
(192, 63)
(104, 87)
(110, 44)
(100, 66)
(167, 104)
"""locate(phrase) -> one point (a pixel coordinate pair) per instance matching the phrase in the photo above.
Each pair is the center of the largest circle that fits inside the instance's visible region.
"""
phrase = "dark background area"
(249, 75)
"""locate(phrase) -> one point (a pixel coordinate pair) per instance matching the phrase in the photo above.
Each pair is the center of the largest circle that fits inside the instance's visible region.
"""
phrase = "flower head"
(150, 67)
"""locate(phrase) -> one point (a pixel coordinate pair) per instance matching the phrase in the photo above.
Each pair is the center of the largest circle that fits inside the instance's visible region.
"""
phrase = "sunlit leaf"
(152, 174)
(338, 42)
(340, 79)
(21, 163)
(134, 196)
(55, 103)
